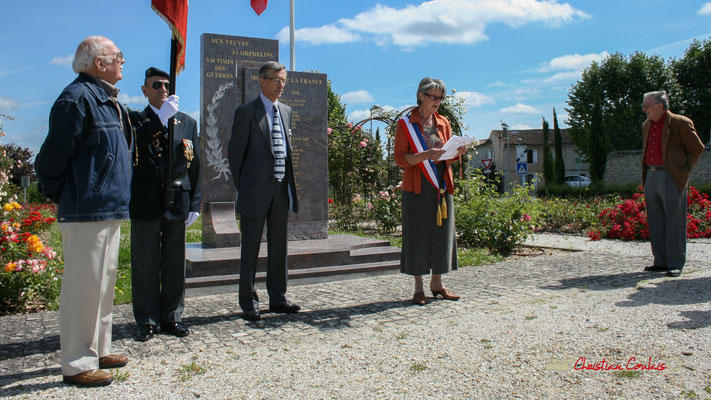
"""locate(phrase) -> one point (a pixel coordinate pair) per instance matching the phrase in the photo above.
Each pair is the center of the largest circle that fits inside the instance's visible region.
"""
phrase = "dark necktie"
(279, 147)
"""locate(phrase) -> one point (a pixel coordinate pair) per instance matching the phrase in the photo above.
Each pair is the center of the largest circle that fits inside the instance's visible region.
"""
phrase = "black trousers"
(158, 270)
(277, 269)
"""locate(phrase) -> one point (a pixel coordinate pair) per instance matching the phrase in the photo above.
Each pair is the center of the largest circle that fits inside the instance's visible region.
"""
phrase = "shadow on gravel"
(671, 292)
(28, 389)
(676, 292)
(694, 320)
(600, 282)
(328, 318)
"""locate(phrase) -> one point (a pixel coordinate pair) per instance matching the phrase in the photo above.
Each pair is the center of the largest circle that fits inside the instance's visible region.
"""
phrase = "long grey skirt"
(426, 246)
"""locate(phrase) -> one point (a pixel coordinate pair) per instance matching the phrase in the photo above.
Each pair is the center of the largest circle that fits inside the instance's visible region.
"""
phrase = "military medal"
(188, 150)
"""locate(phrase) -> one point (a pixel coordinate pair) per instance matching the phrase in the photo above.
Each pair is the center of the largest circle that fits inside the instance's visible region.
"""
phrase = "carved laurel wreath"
(214, 148)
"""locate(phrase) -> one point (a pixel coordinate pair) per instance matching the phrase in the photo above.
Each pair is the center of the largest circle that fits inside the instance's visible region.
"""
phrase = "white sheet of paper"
(454, 143)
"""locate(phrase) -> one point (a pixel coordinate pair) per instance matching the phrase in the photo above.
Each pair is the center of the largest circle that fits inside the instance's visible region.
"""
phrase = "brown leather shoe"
(419, 298)
(91, 378)
(446, 294)
(113, 361)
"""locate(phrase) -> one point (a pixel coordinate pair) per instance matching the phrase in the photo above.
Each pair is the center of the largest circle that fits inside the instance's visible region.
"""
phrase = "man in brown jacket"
(671, 148)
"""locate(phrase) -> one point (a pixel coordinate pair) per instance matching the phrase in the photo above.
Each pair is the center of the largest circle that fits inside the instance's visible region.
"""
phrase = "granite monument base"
(335, 255)
(219, 217)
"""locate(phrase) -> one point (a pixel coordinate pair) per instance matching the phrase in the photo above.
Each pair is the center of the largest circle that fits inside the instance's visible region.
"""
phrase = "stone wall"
(625, 167)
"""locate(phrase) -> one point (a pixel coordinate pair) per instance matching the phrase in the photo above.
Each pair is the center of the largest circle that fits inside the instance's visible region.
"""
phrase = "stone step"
(373, 254)
(303, 254)
(232, 279)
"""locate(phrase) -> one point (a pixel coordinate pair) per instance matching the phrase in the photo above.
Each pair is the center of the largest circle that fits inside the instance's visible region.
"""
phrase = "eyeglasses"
(157, 85)
(648, 105)
(283, 81)
(119, 56)
(435, 98)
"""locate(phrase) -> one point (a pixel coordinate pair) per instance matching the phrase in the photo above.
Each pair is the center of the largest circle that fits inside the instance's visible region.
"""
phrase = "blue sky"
(512, 60)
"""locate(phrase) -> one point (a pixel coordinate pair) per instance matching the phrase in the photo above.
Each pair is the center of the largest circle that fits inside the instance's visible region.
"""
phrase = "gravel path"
(518, 332)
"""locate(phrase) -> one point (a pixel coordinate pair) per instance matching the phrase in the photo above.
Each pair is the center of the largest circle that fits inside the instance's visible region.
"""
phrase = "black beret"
(153, 71)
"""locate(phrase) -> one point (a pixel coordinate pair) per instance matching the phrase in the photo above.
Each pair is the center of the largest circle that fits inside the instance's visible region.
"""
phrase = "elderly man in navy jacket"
(84, 166)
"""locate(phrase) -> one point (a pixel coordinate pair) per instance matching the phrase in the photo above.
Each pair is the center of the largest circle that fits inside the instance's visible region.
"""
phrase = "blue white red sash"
(418, 142)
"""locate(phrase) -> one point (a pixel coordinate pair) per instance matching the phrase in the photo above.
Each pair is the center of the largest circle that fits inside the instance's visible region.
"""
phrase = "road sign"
(486, 162)
(521, 168)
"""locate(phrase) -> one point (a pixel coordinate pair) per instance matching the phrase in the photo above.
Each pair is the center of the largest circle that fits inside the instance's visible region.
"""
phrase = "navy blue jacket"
(149, 172)
(84, 164)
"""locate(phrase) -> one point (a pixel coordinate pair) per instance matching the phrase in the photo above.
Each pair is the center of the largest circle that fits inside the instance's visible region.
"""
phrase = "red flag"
(259, 6)
(175, 14)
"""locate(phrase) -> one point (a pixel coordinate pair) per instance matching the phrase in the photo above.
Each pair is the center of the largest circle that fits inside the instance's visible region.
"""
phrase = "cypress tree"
(559, 163)
(548, 167)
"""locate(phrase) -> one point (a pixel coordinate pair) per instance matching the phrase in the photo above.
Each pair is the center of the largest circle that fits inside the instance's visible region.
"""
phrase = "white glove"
(168, 109)
(192, 217)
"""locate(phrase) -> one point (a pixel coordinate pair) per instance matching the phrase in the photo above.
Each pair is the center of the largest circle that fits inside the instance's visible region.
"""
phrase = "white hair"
(87, 51)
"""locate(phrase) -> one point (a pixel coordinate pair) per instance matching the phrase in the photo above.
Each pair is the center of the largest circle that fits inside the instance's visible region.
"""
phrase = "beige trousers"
(86, 300)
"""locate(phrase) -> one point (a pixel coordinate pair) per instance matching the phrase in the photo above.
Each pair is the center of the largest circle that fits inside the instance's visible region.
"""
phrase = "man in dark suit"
(259, 154)
(671, 148)
(157, 233)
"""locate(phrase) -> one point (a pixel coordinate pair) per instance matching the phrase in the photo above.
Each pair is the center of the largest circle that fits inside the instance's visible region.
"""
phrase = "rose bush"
(386, 209)
(628, 220)
(486, 219)
(31, 272)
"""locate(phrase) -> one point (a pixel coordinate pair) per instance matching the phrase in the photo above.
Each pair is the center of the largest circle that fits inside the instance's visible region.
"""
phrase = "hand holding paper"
(451, 148)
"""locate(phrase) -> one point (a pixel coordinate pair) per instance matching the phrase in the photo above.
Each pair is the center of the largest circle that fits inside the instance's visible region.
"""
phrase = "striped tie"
(279, 148)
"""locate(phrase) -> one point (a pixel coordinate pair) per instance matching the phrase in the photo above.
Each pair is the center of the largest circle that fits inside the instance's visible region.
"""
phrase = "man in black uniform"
(157, 233)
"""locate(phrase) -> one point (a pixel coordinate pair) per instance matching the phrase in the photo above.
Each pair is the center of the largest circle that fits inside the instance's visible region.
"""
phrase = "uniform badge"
(188, 150)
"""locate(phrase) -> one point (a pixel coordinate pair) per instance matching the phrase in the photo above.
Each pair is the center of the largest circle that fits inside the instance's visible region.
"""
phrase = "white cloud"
(495, 84)
(438, 21)
(327, 34)
(358, 115)
(520, 108)
(573, 61)
(65, 61)
(8, 103)
(474, 99)
(520, 127)
(705, 9)
(563, 76)
(126, 99)
(359, 96)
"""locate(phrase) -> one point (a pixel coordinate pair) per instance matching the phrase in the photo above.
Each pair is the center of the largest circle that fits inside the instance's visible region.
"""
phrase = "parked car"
(577, 181)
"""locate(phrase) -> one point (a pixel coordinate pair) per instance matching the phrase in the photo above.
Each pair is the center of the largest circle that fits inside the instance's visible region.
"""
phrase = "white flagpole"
(291, 35)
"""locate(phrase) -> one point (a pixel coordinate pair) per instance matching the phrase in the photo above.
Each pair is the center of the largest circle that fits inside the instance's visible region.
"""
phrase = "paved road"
(517, 332)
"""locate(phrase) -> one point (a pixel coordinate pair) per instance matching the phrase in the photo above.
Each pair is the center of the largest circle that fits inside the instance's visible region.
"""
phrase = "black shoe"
(287, 307)
(251, 315)
(146, 332)
(175, 329)
(655, 268)
(674, 272)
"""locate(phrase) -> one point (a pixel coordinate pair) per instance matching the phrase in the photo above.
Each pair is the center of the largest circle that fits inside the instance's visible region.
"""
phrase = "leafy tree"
(559, 163)
(548, 167)
(598, 141)
(692, 76)
(621, 82)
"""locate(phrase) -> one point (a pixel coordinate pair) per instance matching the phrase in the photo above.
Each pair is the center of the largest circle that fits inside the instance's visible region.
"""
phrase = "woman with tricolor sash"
(428, 235)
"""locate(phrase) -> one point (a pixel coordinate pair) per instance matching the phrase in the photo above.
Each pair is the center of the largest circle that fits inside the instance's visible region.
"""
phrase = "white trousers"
(86, 301)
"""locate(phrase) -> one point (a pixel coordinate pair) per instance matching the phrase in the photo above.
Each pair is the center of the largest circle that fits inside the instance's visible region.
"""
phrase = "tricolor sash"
(417, 141)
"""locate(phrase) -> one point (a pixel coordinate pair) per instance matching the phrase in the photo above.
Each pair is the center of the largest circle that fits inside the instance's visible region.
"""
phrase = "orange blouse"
(411, 181)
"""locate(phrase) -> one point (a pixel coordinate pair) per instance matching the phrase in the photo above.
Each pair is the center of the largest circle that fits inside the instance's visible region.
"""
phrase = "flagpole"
(291, 35)
(169, 193)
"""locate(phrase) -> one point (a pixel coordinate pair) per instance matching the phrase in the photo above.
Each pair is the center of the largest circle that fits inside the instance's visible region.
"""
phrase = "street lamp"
(505, 135)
